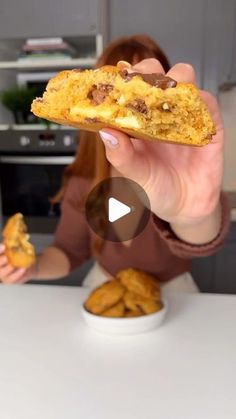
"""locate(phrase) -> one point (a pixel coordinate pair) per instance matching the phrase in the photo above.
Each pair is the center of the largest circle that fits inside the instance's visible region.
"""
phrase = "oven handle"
(37, 159)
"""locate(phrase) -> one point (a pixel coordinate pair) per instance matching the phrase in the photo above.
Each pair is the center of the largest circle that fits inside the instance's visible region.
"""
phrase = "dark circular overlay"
(127, 192)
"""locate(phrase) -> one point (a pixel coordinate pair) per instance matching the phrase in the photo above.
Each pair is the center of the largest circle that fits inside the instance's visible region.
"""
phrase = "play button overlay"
(117, 209)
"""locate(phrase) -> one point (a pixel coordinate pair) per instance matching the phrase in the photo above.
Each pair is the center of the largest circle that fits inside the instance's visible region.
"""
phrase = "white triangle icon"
(117, 209)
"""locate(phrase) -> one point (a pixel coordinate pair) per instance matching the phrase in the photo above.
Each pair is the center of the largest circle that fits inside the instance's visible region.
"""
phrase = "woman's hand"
(11, 275)
(182, 182)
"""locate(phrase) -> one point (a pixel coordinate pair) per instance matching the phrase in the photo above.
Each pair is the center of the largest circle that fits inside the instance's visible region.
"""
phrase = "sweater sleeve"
(186, 250)
(72, 233)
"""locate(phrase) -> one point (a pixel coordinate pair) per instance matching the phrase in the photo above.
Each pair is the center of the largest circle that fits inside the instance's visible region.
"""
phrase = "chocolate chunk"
(138, 105)
(99, 93)
(96, 96)
(154, 79)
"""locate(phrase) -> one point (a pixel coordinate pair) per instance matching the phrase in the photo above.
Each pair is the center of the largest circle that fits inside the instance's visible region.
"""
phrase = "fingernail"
(121, 65)
(109, 140)
(2, 247)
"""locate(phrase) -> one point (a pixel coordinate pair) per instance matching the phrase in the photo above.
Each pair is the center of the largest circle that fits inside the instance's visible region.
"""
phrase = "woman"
(189, 215)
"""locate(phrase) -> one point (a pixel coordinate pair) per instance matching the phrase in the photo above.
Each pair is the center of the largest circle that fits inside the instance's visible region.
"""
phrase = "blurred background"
(38, 39)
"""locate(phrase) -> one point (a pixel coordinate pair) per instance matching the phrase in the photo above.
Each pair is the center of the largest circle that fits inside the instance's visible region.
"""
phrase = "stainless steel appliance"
(31, 168)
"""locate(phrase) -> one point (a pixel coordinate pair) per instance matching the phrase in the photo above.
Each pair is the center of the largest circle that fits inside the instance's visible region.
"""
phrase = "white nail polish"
(109, 140)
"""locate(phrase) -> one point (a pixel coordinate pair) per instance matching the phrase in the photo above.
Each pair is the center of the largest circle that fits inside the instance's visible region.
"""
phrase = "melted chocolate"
(154, 79)
(99, 93)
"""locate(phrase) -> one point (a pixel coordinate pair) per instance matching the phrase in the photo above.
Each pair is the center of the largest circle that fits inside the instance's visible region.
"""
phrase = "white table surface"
(52, 366)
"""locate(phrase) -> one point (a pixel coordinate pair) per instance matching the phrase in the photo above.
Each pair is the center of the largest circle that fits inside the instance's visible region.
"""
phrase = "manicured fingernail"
(2, 247)
(123, 64)
(109, 140)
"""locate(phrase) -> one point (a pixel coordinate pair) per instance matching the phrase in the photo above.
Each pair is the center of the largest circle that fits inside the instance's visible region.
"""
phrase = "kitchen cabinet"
(202, 33)
(86, 50)
(27, 18)
(227, 50)
(199, 32)
(175, 24)
(217, 273)
(81, 23)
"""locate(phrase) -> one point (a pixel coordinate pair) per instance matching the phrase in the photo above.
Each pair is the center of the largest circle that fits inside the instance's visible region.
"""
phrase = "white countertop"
(52, 366)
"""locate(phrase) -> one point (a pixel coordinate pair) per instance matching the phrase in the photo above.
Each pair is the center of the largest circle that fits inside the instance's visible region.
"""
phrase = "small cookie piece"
(19, 251)
(117, 310)
(104, 297)
(136, 302)
(140, 283)
(145, 106)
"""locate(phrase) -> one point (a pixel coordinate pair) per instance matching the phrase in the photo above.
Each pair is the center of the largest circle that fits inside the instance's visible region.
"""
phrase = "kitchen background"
(32, 156)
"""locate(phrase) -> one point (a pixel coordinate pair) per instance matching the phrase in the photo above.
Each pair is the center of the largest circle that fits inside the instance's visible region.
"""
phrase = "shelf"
(32, 127)
(59, 63)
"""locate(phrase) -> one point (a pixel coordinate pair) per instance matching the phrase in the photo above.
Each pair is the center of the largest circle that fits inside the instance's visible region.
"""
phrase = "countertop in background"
(54, 367)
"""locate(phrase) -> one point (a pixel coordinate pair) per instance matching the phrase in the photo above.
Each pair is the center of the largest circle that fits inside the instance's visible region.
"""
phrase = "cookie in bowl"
(105, 297)
(130, 303)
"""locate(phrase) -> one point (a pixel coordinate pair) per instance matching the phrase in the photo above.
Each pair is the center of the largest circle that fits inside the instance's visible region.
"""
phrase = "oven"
(31, 170)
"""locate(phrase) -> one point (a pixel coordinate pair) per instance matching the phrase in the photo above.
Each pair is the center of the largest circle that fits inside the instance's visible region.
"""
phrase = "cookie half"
(140, 283)
(104, 297)
(146, 106)
(19, 251)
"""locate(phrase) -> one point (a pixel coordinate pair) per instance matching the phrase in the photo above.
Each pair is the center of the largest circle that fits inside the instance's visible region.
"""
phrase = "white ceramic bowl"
(126, 326)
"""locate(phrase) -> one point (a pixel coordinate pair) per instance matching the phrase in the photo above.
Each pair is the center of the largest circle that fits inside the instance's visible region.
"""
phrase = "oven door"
(27, 184)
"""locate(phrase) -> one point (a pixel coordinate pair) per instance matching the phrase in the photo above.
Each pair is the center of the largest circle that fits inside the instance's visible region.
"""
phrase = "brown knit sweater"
(156, 250)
